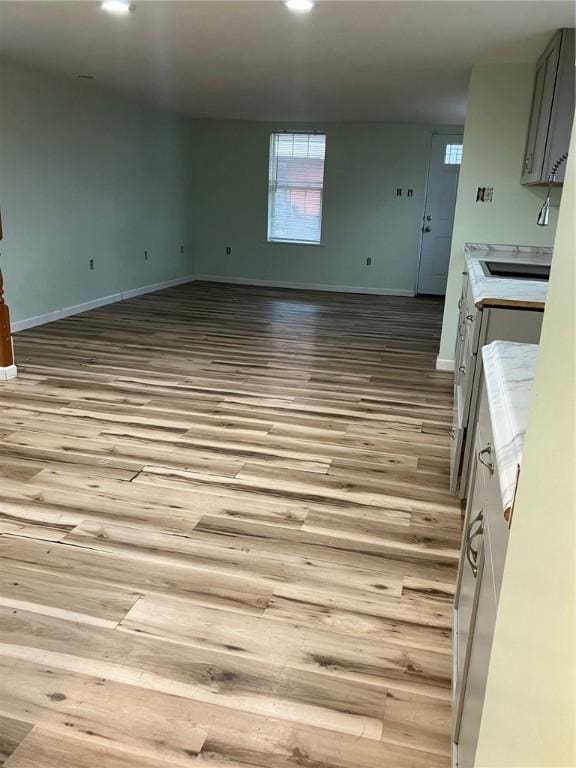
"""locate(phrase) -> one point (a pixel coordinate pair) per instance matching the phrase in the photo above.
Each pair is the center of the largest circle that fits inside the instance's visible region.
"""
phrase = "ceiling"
(346, 60)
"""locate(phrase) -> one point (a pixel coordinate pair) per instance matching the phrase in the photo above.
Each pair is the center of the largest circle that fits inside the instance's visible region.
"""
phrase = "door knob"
(426, 229)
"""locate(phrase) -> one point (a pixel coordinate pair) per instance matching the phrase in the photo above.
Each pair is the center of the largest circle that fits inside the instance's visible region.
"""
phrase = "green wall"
(362, 216)
(494, 136)
(87, 174)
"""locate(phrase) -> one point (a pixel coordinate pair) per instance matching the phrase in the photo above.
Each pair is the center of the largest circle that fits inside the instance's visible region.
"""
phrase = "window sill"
(294, 242)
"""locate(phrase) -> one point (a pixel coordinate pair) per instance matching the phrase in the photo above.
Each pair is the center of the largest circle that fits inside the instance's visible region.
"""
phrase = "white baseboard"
(8, 372)
(132, 293)
(444, 365)
(303, 286)
(76, 309)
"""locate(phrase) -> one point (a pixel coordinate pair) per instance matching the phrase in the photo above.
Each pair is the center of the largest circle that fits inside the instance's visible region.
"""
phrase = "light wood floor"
(227, 536)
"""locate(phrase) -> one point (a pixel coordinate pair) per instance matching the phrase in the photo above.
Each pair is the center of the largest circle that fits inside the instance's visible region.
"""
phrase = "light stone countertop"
(506, 291)
(509, 373)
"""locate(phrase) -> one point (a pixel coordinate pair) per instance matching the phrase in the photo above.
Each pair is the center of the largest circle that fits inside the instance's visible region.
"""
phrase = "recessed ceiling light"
(119, 7)
(300, 6)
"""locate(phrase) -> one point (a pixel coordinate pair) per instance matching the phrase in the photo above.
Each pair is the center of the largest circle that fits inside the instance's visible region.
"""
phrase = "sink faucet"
(544, 215)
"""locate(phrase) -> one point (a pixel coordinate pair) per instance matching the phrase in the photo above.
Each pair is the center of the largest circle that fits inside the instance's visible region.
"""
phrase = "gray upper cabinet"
(552, 110)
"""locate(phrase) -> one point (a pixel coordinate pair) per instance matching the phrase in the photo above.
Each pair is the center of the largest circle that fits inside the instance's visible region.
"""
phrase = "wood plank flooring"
(227, 537)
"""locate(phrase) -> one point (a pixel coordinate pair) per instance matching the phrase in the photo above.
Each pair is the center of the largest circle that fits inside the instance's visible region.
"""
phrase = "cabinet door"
(542, 100)
(468, 330)
(457, 432)
(466, 586)
(485, 504)
(496, 527)
(478, 660)
(457, 439)
(467, 363)
(461, 315)
(562, 108)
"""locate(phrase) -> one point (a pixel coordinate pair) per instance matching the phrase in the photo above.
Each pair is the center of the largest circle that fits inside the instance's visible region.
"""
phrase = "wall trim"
(303, 286)
(8, 372)
(76, 309)
(442, 364)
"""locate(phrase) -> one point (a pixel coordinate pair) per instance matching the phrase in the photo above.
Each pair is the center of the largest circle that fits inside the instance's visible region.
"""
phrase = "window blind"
(295, 186)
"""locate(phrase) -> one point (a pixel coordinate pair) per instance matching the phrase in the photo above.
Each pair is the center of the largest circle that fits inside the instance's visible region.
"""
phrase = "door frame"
(454, 131)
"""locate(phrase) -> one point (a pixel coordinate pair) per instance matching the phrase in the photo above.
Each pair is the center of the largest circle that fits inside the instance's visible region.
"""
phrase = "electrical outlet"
(399, 192)
(91, 263)
(145, 255)
(181, 249)
(228, 250)
(410, 193)
(368, 261)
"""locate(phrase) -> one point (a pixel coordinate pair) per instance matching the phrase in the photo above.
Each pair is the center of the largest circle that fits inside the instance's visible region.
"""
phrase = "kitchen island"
(499, 429)
(491, 307)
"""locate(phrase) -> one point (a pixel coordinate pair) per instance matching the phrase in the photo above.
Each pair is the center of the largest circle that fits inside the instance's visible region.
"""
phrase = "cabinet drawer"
(464, 376)
(471, 317)
(496, 528)
(461, 315)
(457, 435)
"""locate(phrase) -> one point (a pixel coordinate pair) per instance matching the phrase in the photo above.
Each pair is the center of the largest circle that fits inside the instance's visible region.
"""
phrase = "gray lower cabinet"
(477, 327)
(478, 660)
(482, 560)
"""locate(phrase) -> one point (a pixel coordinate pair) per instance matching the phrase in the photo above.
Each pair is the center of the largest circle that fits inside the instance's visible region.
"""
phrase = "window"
(453, 154)
(295, 186)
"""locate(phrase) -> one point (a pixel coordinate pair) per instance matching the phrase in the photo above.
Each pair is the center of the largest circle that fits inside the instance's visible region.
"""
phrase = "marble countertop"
(506, 291)
(509, 373)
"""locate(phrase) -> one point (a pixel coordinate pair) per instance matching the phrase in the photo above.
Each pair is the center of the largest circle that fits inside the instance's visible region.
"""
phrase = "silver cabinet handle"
(488, 464)
(462, 369)
(471, 553)
(469, 318)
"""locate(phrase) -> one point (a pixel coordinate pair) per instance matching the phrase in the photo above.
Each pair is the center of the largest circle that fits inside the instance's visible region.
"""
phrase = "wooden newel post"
(6, 355)
(7, 367)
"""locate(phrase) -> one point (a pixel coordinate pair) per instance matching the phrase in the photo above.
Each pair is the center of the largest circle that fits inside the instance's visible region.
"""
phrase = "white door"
(445, 159)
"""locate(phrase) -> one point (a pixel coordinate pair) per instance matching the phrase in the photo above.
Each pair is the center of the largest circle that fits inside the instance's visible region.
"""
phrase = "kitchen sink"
(516, 271)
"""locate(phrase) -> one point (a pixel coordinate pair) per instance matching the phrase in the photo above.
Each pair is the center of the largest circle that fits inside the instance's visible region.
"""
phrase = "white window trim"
(313, 243)
(279, 241)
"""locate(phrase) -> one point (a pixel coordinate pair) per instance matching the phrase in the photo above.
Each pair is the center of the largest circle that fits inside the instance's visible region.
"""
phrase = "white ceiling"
(347, 60)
